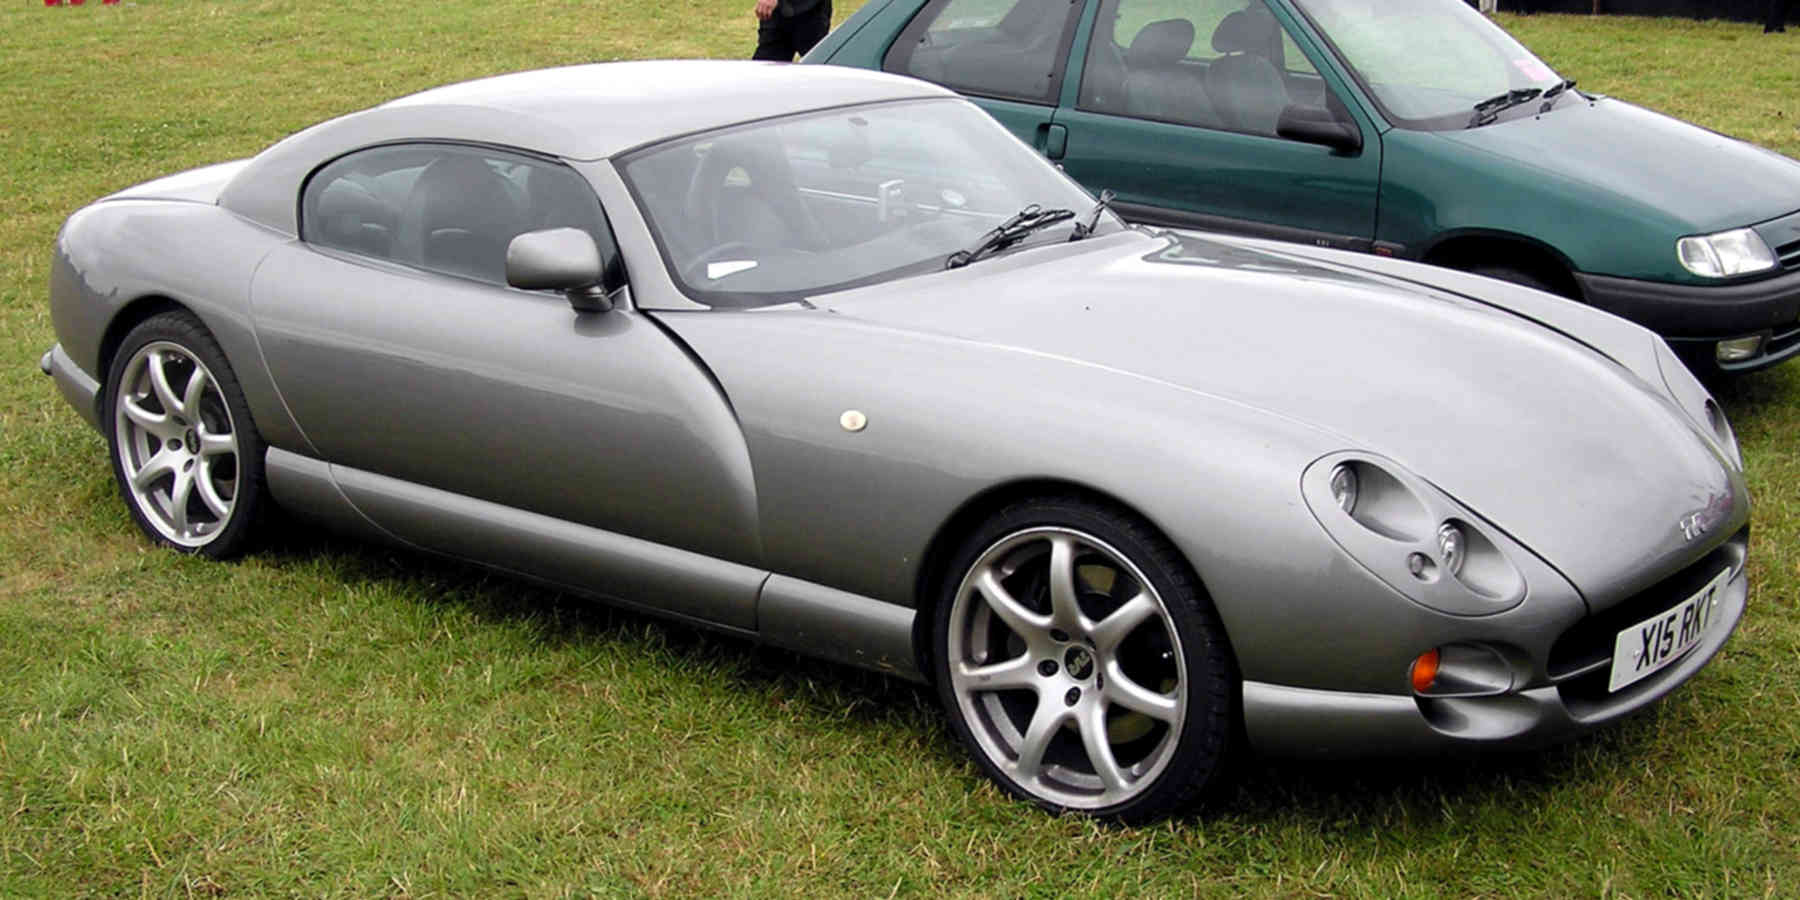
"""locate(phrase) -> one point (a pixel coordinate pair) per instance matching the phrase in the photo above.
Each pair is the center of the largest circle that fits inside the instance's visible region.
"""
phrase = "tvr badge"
(1701, 520)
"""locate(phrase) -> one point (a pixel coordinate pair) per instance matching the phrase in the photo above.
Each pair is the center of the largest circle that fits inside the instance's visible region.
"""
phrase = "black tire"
(1517, 276)
(159, 443)
(1159, 765)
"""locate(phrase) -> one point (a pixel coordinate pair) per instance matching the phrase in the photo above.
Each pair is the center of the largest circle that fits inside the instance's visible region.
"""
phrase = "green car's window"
(781, 210)
(1221, 64)
(444, 207)
(1011, 49)
(1428, 62)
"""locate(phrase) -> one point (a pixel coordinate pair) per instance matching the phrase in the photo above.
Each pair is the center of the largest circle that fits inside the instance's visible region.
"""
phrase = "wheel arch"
(1466, 248)
(129, 316)
(977, 509)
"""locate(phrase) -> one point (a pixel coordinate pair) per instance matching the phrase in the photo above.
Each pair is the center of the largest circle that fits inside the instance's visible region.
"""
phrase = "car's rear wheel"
(1081, 662)
(185, 453)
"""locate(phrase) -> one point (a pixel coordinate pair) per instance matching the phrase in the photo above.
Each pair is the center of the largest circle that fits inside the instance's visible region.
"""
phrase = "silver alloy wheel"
(177, 444)
(1067, 668)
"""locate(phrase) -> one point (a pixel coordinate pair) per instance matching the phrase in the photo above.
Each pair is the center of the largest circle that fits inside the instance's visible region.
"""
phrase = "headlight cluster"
(1697, 403)
(1411, 536)
(1723, 255)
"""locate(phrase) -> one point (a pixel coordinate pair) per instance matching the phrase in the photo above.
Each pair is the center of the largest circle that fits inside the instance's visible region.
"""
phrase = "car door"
(400, 351)
(1009, 56)
(1177, 109)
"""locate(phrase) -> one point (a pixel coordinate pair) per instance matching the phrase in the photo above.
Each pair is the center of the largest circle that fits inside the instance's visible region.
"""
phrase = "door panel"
(1177, 112)
(506, 396)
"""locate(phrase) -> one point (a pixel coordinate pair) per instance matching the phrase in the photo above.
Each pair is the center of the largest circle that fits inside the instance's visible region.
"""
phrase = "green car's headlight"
(1723, 255)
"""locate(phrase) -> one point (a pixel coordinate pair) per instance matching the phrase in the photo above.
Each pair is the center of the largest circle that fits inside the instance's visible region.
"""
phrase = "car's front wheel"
(186, 456)
(1082, 663)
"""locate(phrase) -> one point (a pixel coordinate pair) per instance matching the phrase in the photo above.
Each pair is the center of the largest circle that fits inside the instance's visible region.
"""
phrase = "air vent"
(1790, 255)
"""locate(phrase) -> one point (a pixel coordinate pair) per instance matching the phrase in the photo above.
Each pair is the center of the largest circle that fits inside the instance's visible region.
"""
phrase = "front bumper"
(1694, 318)
(1567, 698)
(77, 386)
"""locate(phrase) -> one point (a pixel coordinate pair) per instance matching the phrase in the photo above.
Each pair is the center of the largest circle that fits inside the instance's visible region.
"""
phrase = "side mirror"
(1317, 125)
(558, 259)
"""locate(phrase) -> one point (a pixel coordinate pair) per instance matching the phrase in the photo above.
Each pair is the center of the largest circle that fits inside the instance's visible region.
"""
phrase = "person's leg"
(1777, 18)
(809, 28)
(774, 40)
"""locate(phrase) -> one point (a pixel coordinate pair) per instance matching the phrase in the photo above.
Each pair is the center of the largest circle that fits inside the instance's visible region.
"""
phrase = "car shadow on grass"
(1255, 789)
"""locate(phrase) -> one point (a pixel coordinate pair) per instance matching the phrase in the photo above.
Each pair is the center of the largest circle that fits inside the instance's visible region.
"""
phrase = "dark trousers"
(782, 38)
(1777, 20)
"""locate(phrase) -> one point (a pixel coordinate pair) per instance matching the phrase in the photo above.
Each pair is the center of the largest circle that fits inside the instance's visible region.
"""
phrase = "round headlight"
(1452, 548)
(1343, 488)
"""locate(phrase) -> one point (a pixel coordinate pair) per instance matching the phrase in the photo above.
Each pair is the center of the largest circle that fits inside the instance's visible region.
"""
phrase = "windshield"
(1427, 62)
(776, 211)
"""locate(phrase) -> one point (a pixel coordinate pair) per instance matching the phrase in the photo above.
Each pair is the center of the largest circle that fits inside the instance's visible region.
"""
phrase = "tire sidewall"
(1207, 732)
(185, 331)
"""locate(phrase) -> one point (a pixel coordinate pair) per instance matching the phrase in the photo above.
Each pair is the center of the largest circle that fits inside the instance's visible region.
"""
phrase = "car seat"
(1246, 89)
(459, 218)
(743, 191)
(1157, 86)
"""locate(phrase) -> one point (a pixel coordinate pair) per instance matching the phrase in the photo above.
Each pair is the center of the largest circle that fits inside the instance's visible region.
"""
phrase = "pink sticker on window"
(1534, 70)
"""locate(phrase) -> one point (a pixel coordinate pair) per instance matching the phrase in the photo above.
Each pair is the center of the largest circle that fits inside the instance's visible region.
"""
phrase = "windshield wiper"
(1007, 233)
(1091, 221)
(1488, 110)
(1554, 92)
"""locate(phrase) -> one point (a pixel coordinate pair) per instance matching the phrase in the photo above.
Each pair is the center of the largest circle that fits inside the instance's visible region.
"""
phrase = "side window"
(1221, 64)
(995, 48)
(443, 207)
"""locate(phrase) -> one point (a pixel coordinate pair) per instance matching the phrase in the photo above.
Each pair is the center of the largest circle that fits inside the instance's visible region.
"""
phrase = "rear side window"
(443, 207)
(1011, 49)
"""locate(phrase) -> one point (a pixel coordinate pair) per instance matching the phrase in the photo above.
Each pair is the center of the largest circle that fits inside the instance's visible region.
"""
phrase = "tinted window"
(447, 208)
(1222, 64)
(994, 48)
(789, 208)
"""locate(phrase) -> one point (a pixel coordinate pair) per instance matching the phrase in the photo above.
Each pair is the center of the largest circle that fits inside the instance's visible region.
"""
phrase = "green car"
(1407, 128)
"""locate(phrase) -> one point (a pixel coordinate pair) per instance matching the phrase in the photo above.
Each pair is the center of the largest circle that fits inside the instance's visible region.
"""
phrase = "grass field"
(328, 719)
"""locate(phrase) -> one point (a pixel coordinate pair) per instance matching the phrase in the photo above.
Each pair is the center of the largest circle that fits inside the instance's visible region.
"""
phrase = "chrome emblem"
(1700, 521)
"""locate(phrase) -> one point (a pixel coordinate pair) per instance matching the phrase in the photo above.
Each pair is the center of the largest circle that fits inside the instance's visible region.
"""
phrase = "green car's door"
(1177, 110)
(1009, 56)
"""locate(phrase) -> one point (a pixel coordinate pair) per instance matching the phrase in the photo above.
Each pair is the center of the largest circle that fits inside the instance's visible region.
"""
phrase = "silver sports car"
(828, 359)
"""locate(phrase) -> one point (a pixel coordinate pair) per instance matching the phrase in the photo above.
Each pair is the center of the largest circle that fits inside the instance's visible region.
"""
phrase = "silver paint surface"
(692, 462)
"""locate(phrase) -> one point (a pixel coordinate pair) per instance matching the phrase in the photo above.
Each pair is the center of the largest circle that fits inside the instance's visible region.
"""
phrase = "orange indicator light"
(1424, 670)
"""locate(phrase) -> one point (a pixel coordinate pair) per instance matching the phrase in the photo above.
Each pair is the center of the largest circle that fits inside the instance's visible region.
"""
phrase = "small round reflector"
(1424, 670)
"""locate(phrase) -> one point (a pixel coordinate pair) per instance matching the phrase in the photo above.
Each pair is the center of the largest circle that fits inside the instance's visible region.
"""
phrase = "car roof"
(599, 110)
(584, 112)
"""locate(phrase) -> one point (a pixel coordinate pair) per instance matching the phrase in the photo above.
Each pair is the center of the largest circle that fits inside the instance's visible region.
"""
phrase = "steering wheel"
(695, 269)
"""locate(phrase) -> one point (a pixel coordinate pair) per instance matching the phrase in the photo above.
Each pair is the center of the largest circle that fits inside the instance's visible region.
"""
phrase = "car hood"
(1563, 448)
(1701, 178)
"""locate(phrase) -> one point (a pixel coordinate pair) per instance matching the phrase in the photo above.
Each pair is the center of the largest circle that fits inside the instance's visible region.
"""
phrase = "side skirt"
(655, 578)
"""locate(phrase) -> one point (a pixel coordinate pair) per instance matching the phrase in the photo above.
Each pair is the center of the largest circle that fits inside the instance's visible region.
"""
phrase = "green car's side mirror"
(1317, 125)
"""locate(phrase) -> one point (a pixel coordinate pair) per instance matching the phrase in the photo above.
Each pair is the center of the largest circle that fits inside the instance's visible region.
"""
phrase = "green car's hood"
(1705, 179)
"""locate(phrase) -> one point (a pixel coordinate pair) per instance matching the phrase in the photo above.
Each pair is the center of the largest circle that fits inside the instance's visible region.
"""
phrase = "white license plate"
(1663, 638)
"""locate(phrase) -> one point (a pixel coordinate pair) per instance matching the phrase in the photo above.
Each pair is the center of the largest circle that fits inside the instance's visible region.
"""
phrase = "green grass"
(326, 718)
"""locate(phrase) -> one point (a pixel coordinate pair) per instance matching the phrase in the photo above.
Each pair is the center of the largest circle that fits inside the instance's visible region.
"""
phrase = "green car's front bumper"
(1696, 319)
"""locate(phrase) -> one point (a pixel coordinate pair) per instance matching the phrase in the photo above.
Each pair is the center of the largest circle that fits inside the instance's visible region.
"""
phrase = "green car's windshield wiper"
(1487, 110)
(1007, 233)
(1091, 221)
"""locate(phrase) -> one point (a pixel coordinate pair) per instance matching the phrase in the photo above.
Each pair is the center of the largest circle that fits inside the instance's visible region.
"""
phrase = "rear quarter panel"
(118, 253)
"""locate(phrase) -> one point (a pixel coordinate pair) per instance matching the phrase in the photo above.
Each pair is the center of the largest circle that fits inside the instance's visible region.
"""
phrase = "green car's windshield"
(1428, 62)
(777, 211)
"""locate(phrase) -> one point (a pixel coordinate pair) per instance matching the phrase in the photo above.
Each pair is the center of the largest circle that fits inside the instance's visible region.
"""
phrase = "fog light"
(1424, 670)
(1739, 349)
